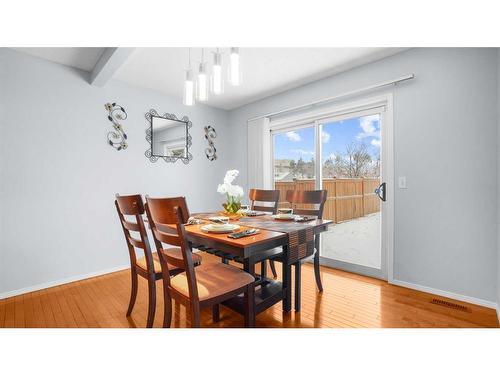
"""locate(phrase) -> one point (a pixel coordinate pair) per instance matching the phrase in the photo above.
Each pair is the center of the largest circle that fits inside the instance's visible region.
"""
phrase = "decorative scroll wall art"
(117, 138)
(168, 137)
(210, 135)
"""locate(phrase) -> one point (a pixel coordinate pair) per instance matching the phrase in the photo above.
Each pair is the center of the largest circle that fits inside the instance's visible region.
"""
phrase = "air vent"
(450, 305)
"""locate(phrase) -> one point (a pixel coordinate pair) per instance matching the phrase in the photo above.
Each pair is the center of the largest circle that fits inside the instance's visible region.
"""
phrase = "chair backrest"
(309, 197)
(265, 196)
(132, 205)
(167, 224)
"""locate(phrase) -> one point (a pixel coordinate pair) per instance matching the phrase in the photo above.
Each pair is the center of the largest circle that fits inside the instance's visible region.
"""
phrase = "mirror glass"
(169, 137)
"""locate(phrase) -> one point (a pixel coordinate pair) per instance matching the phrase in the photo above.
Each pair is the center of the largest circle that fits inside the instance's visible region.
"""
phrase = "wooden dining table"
(271, 240)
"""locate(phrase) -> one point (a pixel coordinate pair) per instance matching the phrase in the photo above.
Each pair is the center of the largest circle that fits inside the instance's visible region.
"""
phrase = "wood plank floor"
(348, 301)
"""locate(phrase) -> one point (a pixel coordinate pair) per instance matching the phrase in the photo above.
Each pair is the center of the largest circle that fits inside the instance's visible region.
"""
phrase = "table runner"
(300, 236)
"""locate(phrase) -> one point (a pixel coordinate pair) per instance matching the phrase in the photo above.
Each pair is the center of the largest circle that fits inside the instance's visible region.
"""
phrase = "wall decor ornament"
(168, 137)
(210, 135)
(117, 138)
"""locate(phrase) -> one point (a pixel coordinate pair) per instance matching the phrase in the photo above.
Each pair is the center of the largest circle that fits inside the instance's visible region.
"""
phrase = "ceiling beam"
(107, 65)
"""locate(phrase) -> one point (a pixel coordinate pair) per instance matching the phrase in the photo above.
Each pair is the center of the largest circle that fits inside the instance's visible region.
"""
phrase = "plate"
(287, 217)
(218, 218)
(227, 228)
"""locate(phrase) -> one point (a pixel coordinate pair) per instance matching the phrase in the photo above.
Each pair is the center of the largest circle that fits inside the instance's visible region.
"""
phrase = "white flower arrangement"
(233, 192)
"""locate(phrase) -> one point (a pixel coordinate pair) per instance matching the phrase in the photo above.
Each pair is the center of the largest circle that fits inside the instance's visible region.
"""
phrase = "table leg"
(263, 269)
(287, 281)
(297, 285)
(249, 266)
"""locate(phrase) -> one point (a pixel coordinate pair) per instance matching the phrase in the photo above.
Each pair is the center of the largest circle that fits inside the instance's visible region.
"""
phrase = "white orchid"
(230, 176)
(233, 192)
(222, 188)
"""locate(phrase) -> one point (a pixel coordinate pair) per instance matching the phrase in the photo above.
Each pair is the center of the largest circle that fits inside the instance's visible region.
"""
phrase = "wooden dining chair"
(148, 265)
(301, 198)
(200, 287)
(258, 196)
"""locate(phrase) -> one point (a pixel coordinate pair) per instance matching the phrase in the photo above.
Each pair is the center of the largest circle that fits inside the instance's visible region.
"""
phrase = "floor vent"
(450, 305)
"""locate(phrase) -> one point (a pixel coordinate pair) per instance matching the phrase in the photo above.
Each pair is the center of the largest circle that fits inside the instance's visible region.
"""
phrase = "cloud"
(375, 142)
(325, 137)
(369, 126)
(303, 152)
(293, 136)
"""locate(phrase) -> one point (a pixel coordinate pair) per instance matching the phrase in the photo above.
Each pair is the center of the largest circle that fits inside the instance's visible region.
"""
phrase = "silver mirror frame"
(149, 131)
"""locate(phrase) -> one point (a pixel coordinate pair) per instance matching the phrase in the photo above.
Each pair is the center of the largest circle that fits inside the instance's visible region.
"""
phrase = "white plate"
(227, 228)
(284, 217)
(219, 218)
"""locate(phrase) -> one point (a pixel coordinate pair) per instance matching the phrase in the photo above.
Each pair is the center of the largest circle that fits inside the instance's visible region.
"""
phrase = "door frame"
(348, 109)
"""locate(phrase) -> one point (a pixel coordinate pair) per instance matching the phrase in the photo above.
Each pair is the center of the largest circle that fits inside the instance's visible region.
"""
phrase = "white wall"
(498, 193)
(59, 177)
(445, 144)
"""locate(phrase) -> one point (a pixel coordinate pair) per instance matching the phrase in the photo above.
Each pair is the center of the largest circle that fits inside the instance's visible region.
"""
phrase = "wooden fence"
(348, 198)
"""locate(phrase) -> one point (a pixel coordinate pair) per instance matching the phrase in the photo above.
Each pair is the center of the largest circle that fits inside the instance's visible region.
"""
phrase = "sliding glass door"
(294, 164)
(343, 155)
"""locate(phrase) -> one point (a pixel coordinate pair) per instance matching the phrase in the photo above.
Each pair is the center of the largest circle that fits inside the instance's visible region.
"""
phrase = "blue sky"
(335, 137)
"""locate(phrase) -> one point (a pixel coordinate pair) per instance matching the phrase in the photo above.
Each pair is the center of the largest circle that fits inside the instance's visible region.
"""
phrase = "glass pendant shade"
(234, 67)
(189, 88)
(202, 83)
(216, 81)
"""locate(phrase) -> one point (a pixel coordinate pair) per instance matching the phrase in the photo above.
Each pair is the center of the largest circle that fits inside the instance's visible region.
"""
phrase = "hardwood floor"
(348, 300)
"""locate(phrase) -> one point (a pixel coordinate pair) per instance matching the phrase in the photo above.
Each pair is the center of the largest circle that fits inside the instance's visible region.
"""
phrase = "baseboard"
(67, 280)
(443, 293)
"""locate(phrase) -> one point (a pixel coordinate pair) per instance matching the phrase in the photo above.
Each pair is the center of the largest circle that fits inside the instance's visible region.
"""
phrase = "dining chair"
(148, 265)
(204, 286)
(316, 199)
(256, 197)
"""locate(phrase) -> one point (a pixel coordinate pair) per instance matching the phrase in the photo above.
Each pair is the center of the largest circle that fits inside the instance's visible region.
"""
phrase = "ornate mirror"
(168, 137)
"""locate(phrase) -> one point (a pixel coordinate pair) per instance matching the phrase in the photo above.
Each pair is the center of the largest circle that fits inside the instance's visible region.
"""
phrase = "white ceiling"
(265, 71)
(81, 58)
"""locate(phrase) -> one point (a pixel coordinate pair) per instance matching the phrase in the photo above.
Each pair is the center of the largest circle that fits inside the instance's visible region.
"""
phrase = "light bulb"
(202, 84)
(234, 66)
(217, 82)
(189, 88)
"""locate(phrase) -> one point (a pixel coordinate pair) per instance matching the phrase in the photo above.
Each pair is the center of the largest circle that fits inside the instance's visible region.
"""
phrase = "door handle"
(380, 191)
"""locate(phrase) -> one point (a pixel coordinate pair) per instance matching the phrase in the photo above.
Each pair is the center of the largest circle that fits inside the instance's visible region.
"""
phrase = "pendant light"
(234, 66)
(217, 83)
(189, 84)
(202, 80)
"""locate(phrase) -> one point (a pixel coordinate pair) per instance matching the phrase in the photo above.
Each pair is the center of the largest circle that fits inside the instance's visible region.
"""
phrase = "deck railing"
(348, 198)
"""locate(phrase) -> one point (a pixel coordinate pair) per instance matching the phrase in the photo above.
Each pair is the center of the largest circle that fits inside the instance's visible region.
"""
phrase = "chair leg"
(216, 313)
(167, 307)
(298, 283)
(273, 268)
(195, 317)
(152, 303)
(250, 306)
(317, 274)
(133, 292)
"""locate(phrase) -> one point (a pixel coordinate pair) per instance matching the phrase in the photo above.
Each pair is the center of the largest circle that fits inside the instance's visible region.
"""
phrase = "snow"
(355, 241)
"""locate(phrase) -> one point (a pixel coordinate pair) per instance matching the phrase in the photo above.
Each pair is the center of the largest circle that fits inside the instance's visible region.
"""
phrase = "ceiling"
(81, 58)
(265, 71)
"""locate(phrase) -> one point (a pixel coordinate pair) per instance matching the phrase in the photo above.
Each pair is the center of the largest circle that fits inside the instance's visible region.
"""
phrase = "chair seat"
(213, 280)
(173, 252)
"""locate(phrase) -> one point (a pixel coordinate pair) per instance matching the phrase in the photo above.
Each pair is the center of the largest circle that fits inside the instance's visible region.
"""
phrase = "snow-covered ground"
(354, 241)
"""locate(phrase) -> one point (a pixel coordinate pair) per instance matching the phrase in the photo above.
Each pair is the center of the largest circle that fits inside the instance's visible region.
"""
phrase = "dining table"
(291, 239)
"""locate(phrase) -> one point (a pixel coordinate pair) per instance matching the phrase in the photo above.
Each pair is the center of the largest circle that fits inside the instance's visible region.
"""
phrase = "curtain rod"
(336, 97)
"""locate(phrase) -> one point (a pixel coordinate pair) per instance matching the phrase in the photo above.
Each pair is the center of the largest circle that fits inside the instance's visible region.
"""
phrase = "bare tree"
(357, 159)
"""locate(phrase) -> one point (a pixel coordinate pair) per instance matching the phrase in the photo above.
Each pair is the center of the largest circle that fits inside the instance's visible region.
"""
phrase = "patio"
(355, 241)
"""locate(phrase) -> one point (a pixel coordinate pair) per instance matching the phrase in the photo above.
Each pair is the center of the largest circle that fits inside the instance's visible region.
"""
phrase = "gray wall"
(498, 194)
(59, 177)
(445, 144)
